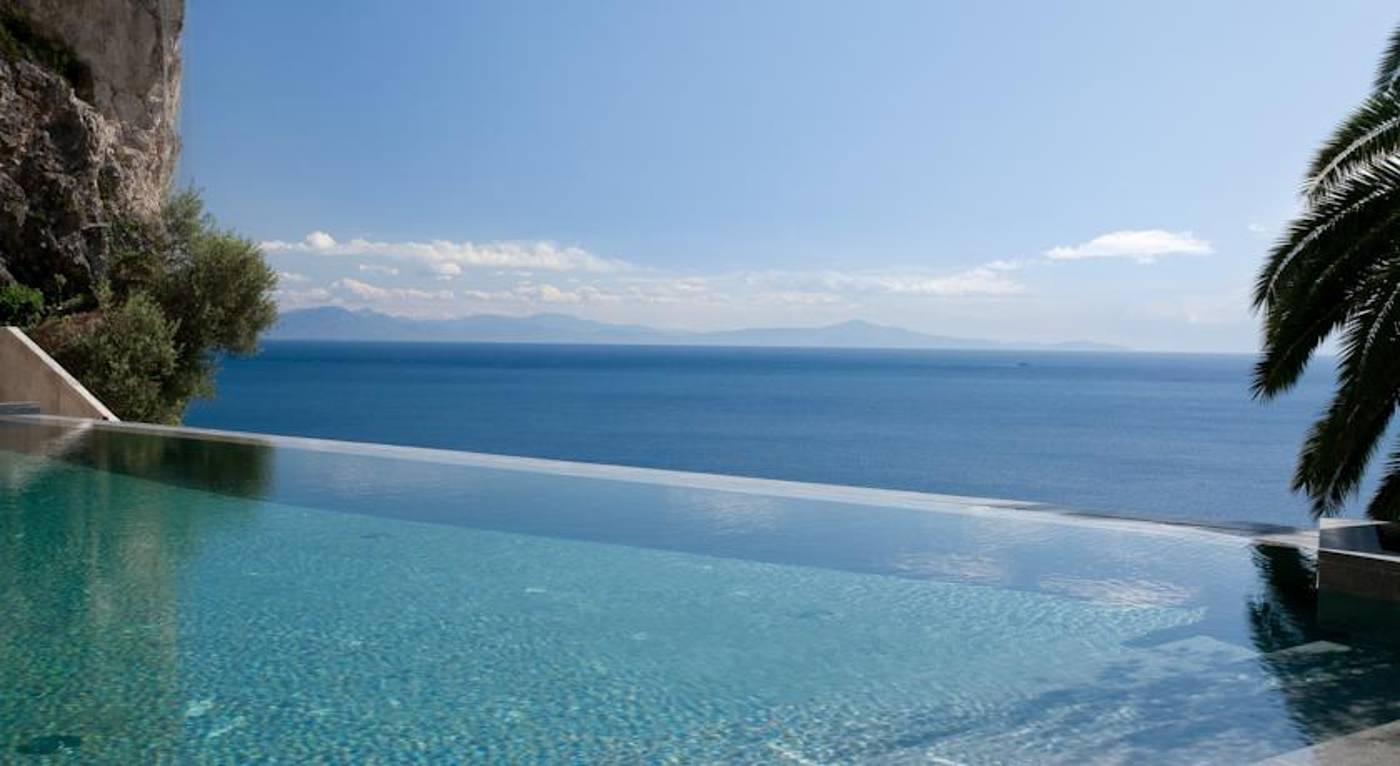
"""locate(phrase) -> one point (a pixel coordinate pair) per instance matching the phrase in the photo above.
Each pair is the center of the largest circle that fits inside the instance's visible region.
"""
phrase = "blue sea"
(1157, 435)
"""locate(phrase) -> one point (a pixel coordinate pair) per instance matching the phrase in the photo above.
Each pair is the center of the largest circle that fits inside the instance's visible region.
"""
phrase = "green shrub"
(20, 306)
(176, 296)
(219, 286)
(126, 358)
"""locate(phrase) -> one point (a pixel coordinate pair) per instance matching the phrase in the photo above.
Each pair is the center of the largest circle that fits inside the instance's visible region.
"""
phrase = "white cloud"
(1143, 246)
(527, 293)
(1004, 265)
(320, 240)
(548, 294)
(488, 295)
(445, 257)
(378, 268)
(366, 292)
(985, 280)
(665, 290)
(298, 299)
(411, 279)
(978, 281)
(800, 298)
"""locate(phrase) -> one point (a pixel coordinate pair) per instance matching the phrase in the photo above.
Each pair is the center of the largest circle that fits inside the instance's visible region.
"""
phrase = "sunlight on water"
(453, 613)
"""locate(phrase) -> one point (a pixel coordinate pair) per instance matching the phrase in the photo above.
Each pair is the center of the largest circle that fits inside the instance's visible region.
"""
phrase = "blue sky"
(1009, 170)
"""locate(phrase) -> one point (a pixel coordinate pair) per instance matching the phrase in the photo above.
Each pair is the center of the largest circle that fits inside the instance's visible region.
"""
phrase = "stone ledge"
(1364, 748)
(1358, 578)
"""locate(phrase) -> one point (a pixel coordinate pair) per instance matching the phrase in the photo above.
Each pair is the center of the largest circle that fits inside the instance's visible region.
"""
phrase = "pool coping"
(1281, 535)
(1378, 744)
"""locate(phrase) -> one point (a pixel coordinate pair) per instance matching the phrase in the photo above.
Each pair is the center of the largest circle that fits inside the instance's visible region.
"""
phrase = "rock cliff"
(89, 104)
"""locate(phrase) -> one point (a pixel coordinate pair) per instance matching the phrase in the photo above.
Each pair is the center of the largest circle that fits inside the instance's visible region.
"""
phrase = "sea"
(1167, 436)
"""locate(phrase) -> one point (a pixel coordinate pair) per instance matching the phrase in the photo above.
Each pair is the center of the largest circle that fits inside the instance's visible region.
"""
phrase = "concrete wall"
(27, 374)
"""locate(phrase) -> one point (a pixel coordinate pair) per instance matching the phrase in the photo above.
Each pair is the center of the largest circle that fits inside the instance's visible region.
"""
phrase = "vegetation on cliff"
(136, 299)
(177, 293)
(20, 305)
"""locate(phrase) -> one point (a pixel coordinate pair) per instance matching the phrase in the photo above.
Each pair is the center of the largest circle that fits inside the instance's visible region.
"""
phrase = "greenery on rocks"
(1336, 271)
(126, 359)
(20, 306)
(176, 294)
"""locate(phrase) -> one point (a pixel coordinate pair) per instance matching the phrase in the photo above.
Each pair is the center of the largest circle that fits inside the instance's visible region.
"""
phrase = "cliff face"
(89, 101)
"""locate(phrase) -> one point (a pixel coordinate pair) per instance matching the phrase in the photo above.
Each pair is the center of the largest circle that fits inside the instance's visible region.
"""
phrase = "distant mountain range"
(335, 323)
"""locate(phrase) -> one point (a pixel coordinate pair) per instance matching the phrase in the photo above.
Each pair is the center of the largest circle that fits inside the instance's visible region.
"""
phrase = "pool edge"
(1303, 538)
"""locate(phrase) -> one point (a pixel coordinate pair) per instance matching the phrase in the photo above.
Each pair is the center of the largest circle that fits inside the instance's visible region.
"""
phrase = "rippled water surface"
(199, 600)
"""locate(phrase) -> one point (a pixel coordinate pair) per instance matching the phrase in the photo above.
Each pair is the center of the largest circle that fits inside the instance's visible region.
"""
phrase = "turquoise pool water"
(197, 599)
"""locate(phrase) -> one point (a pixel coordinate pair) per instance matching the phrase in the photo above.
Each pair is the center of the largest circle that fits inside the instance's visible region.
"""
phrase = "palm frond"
(1370, 134)
(1319, 233)
(1312, 308)
(1342, 442)
(1308, 291)
(1385, 503)
(1388, 73)
(1334, 457)
(1377, 329)
(1337, 270)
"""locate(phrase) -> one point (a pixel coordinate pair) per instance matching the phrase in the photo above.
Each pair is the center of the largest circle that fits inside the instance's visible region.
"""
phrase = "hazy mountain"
(334, 323)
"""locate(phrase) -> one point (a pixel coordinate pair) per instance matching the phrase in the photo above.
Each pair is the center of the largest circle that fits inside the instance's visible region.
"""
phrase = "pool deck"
(1377, 745)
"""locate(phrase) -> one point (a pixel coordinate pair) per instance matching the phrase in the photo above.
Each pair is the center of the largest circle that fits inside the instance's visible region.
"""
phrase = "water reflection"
(1330, 684)
(1284, 612)
(239, 468)
(90, 571)
(1194, 691)
(95, 568)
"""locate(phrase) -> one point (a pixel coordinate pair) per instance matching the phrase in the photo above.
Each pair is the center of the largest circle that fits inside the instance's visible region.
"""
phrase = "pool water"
(193, 598)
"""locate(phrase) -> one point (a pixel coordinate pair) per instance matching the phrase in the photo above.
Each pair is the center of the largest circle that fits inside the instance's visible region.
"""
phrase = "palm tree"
(1337, 270)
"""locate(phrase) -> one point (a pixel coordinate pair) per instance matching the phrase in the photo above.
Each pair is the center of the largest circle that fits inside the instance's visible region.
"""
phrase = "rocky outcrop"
(89, 103)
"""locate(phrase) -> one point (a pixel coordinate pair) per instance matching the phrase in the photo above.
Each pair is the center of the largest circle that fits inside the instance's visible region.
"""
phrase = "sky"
(1015, 171)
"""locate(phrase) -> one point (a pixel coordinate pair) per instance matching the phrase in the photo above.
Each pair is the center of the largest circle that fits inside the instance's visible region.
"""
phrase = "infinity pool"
(177, 596)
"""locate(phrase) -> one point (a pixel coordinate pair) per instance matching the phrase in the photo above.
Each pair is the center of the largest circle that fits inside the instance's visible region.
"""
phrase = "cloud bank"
(1143, 246)
(442, 278)
(447, 258)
